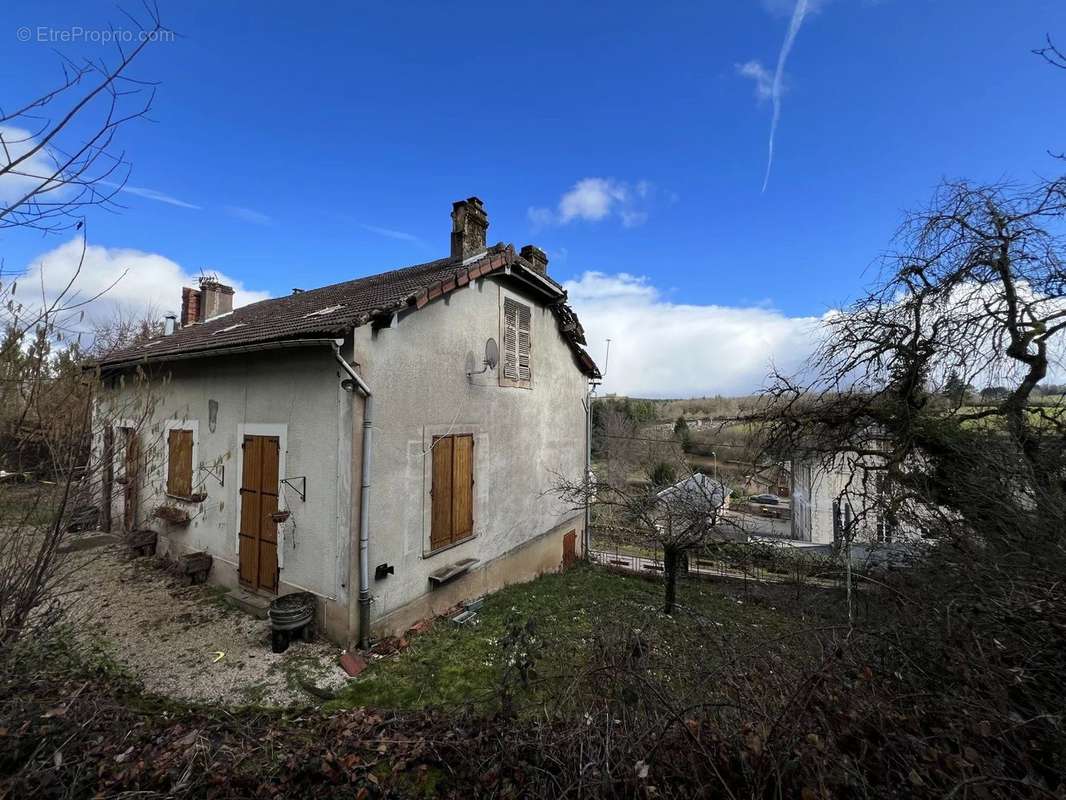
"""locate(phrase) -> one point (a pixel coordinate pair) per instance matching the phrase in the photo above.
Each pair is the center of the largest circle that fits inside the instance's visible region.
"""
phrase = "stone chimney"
(207, 302)
(215, 299)
(470, 225)
(537, 257)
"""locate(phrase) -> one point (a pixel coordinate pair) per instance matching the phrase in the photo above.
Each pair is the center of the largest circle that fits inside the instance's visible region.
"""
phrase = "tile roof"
(332, 311)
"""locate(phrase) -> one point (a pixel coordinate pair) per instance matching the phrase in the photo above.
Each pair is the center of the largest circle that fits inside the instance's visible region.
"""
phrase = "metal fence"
(739, 561)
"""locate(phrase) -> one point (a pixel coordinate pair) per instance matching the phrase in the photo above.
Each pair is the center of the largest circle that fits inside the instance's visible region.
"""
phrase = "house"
(389, 443)
(832, 495)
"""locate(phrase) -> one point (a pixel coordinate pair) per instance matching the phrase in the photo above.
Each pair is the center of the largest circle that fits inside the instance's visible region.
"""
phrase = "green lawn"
(450, 665)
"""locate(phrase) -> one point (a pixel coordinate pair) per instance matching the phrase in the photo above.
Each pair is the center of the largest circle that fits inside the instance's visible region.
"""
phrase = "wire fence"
(762, 562)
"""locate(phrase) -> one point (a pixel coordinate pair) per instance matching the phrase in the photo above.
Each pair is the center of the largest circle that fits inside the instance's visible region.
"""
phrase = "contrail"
(798, 13)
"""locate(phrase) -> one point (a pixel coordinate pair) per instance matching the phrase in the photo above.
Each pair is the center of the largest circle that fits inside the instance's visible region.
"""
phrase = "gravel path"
(169, 636)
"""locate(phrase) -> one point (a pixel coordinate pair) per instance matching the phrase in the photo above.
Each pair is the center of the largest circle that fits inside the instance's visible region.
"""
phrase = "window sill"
(452, 571)
(448, 547)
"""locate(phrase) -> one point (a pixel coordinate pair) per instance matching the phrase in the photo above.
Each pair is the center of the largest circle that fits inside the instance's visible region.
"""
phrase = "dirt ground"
(170, 637)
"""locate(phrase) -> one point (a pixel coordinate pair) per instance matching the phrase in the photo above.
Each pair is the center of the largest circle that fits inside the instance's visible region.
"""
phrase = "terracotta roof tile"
(332, 311)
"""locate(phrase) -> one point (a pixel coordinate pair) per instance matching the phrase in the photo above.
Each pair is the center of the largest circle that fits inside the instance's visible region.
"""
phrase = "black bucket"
(290, 615)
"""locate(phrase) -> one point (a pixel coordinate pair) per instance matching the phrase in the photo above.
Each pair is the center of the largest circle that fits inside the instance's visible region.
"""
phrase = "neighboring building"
(242, 415)
(829, 499)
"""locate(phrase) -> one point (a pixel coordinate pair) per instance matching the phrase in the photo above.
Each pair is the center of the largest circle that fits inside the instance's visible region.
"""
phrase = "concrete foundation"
(534, 558)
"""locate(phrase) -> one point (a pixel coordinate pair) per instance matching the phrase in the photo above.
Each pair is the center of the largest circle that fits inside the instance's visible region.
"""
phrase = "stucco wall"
(294, 394)
(524, 439)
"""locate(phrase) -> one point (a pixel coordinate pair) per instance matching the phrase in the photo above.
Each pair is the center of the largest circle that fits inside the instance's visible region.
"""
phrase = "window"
(516, 333)
(179, 462)
(452, 516)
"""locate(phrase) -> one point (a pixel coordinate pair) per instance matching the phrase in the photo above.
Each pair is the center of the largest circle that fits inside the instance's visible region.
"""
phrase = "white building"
(352, 441)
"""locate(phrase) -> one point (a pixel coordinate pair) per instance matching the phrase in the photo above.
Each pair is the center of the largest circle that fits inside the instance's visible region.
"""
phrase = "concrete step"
(252, 604)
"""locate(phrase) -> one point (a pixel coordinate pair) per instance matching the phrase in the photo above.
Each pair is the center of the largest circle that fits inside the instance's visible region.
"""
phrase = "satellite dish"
(492, 353)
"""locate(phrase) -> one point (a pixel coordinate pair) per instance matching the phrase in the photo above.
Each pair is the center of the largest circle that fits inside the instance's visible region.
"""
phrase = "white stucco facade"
(525, 441)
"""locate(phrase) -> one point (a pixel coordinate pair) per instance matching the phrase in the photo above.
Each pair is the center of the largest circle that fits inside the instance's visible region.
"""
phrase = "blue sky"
(307, 144)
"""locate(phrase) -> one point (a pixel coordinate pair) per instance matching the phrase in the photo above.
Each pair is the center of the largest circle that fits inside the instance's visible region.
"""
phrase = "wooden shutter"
(452, 508)
(517, 341)
(525, 320)
(440, 531)
(462, 487)
(510, 339)
(179, 463)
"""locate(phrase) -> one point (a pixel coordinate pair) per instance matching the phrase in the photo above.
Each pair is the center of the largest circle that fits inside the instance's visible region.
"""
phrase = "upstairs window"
(179, 462)
(517, 336)
(453, 490)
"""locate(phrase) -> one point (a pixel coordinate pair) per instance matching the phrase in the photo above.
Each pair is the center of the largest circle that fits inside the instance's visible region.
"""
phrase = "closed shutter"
(462, 487)
(440, 532)
(179, 463)
(525, 319)
(452, 493)
(510, 339)
(517, 337)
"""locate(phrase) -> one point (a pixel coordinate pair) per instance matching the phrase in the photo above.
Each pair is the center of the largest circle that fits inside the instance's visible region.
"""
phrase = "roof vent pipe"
(170, 323)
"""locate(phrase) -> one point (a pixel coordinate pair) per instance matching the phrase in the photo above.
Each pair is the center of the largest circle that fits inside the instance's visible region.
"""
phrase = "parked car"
(765, 499)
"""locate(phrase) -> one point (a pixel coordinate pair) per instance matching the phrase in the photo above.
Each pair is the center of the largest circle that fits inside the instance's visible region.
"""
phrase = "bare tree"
(677, 518)
(58, 154)
(975, 294)
(57, 160)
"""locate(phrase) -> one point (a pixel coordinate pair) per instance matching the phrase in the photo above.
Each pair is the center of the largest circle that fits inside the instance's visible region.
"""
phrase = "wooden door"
(258, 533)
(569, 549)
(131, 477)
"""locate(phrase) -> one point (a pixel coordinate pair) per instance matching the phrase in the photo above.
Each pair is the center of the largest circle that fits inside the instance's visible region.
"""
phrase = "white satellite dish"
(492, 358)
(492, 353)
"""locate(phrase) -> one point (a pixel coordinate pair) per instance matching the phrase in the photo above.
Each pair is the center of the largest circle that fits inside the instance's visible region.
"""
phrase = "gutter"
(149, 358)
(359, 385)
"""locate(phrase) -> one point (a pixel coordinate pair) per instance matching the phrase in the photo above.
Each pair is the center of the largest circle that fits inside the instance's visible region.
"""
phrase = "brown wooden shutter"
(179, 466)
(452, 509)
(440, 531)
(462, 487)
(525, 320)
(510, 339)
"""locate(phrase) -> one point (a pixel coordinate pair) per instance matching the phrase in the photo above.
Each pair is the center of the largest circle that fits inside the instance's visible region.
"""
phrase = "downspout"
(588, 470)
(358, 384)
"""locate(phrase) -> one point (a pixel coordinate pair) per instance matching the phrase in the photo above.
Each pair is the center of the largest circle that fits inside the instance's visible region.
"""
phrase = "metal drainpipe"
(364, 499)
(588, 469)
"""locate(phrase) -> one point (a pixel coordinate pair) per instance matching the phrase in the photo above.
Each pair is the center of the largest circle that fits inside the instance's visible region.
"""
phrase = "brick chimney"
(215, 298)
(536, 257)
(207, 302)
(470, 225)
(190, 306)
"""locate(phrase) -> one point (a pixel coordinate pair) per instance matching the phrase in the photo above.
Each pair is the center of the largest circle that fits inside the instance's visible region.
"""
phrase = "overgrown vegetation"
(451, 665)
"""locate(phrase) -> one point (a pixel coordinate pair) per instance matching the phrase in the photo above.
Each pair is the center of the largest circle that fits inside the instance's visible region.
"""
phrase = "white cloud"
(152, 194)
(248, 215)
(130, 282)
(390, 233)
(596, 199)
(772, 88)
(762, 77)
(27, 176)
(660, 348)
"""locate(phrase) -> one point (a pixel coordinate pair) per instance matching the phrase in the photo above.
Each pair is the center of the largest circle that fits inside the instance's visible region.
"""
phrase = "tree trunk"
(670, 564)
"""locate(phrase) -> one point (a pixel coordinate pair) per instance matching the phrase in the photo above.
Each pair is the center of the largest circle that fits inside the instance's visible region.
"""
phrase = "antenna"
(606, 361)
